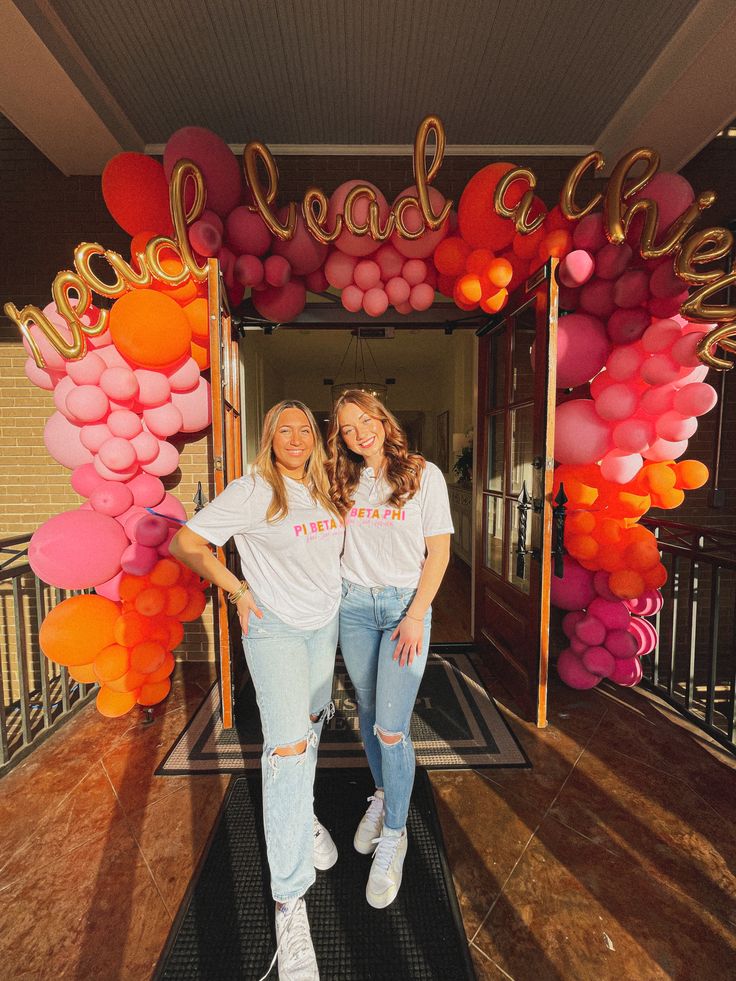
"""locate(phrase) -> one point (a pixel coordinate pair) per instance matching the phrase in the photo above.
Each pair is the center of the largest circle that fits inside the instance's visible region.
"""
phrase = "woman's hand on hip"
(409, 633)
(245, 606)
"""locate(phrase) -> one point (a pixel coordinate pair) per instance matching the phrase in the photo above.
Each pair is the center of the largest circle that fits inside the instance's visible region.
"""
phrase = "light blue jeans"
(385, 692)
(292, 675)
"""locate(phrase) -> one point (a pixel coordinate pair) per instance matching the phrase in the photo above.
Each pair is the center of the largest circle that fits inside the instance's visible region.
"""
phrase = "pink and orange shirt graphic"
(312, 530)
(371, 516)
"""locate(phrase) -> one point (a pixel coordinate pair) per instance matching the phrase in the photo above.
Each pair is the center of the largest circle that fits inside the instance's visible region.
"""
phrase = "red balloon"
(283, 303)
(480, 226)
(136, 193)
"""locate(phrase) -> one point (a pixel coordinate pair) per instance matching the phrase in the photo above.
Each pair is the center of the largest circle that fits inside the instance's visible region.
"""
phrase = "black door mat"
(224, 929)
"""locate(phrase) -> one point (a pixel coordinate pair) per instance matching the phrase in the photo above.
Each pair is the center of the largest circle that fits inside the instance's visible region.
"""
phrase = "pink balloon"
(150, 530)
(205, 236)
(77, 549)
(110, 589)
(40, 377)
(570, 621)
(166, 461)
(397, 290)
(663, 449)
(164, 420)
(186, 377)
(249, 270)
(304, 252)
(617, 402)
(281, 304)
(600, 584)
(627, 326)
(573, 672)
(569, 298)
(117, 454)
(104, 471)
(631, 290)
(339, 269)
(421, 297)
(276, 270)
(119, 383)
(624, 362)
(684, 351)
(352, 298)
(672, 194)
(171, 507)
(227, 266)
(316, 282)
(644, 634)
(85, 479)
(655, 401)
(596, 297)
(689, 376)
(145, 446)
(578, 646)
(613, 615)
(599, 661)
(574, 591)
(612, 260)
(667, 306)
(627, 672)
(590, 630)
(581, 436)
(138, 560)
(582, 349)
(633, 435)
(375, 302)
(390, 262)
(112, 357)
(153, 387)
(367, 274)
(87, 403)
(247, 233)
(148, 491)
(123, 422)
(346, 241)
(111, 498)
(659, 370)
(620, 467)
(647, 604)
(621, 643)
(589, 233)
(86, 371)
(424, 246)
(660, 336)
(403, 308)
(94, 436)
(664, 282)
(63, 441)
(163, 548)
(216, 161)
(195, 407)
(674, 427)
(695, 400)
(414, 271)
(576, 268)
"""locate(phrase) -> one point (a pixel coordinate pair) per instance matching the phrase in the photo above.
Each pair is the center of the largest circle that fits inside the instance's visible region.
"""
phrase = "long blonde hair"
(315, 472)
(403, 469)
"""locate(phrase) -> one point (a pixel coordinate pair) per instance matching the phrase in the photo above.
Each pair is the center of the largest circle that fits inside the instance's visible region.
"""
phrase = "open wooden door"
(227, 453)
(513, 491)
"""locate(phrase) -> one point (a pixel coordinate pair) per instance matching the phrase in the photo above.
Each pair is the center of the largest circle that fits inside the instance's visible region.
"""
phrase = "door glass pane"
(497, 370)
(493, 549)
(521, 582)
(522, 381)
(495, 452)
(522, 446)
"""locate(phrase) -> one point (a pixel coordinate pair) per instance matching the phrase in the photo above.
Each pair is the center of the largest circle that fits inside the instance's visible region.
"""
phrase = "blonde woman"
(289, 536)
(397, 547)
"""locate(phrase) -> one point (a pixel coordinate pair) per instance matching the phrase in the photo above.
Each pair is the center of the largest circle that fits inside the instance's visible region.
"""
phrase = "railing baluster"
(42, 660)
(21, 660)
(693, 632)
(4, 750)
(715, 598)
(674, 597)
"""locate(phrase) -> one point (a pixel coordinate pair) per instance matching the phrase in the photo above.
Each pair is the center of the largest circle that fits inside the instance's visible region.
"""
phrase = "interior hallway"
(612, 857)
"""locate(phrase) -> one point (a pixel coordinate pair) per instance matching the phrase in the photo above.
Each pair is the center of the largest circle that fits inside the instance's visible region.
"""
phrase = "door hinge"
(218, 463)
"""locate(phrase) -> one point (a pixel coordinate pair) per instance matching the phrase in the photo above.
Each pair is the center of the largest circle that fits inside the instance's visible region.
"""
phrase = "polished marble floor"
(613, 857)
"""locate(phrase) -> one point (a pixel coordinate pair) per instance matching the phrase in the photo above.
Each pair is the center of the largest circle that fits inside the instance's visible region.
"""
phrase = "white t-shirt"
(293, 564)
(384, 546)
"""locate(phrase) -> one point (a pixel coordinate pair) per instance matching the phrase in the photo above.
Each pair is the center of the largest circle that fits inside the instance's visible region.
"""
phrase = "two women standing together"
(357, 543)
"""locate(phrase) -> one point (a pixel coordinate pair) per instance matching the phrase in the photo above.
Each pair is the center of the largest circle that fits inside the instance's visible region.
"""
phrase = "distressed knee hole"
(327, 713)
(292, 749)
(389, 738)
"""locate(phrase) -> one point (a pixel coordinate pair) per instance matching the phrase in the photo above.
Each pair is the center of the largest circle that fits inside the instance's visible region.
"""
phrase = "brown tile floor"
(613, 857)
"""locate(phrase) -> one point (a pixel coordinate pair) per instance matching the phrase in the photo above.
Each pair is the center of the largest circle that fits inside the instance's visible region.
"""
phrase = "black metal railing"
(36, 695)
(693, 666)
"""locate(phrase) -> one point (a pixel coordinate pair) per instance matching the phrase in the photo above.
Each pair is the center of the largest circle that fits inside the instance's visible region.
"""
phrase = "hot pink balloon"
(612, 260)
(148, 491)
(367, 274)
(633, 435)
(660, 369)
(85, 479)
(582, 349)
(574, 591)
(599, 661)
(195, 407)
(283, 304)
(578, 646)
(672, 194)
(352, 298)
(590, 630)
(596, 298)
(589, 233)
(110, 589)
(576, 268)
(375, 302)
(624, 362)
(581, 436)
(684, 351)
(627, 326)
(87, 403)
(424, 246)
(111, 498)
(617, 402)
(150, 530)
(658, 400)
(574, 673)
(627, 672)
(695, 400)
(139, 560)
(644, 635)
(171, 507)
(304, 252)
(613, 615)
(166, 461)
(163, 548)
(660, 336)
(219, 167)
(621, 643)
(346, 241)
(63, 442)
(77, 549)
(647, 604)
(570, 621)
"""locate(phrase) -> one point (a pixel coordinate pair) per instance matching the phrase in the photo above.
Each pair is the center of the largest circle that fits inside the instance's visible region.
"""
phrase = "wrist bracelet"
(418, 619)
(239, 592)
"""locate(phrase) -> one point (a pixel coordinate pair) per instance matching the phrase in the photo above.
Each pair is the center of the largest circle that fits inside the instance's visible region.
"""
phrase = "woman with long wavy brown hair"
(397, 547)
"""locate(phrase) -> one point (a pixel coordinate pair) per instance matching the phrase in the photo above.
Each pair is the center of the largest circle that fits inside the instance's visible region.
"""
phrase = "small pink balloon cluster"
(607, 636)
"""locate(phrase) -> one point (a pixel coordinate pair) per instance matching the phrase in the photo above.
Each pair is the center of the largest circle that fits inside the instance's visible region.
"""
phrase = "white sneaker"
(384, 880)
(325, 849)
(371, 825)
(294, 950)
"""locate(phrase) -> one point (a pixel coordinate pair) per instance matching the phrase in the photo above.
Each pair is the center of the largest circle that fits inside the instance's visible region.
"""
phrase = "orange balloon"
(83, 673)
(185, 292)
(451, 255)
(582, 546)
(130, 586)
(479, 261)
(131, 628)
(147, 656)
(660, 477)
(77, 629)
(163, 672)
(150, 329)
(201, 355)
(500, 272)
(469, 288)
(138, 245)
(131, 681)
(495, 302)
(154, 693)
(641, 556)
(527, 246)
(580, 522)
(479, 224)
(690, 474)
(151, 601)
(608, 531)
(557, 244)
(198, 314)
(113, 704)
(671, 499)
(656, 577)
(176, 634)
(177, 598)
(112, 663)
(626, 584)
(195, 606)
(611, 559)
(166, 572)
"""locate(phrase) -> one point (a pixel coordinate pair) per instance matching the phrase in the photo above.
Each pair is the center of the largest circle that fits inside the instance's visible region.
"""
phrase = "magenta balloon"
(590, 233)
(87, 403)
(164, 420)
(77, 549)
(574, 673)
(397, 290)
(276, 270)
(119, 383)
(617, 402)
(424, 246)
(249, 270)
(205, 238)
(658, 400)
(139, 560)
(582, 349)
(316, 281)
(165, 462)
(659, 369)
(367, 274)
(390, 261)
(647, 604)
(581, 436)
(590, 630)
(421, 297)
(186, 376)
(569, 298)
(163, 548)
(578, 646)
(219, 166)
(574, 591)
(613, 615)
(634, 435)
(153, 387)
(123, 422)
(621, 643)
(627, 326)
(150, 530)
(666, 306)
(624, 362)
(695, 399)
(227, 265)
(576, 268)
(111, 498)
(339, 269)
(599, 661)
(631, 290)
(63, 441)
(117, 454)
(85, 479)
(375, 302)
(674, 427)
(627, 672)
(596, 297)
(352, 298)
(145, 446)
(281, 304)
(304, 252)
(672, 194)
(644, 634)
(612, 260)
(570, 620)
(600, 584)
(86, 371)
(346, 241)
(414, 271)
(195, 407)
(148, 491)
(662, 449)
(660, 336)
(664, 282)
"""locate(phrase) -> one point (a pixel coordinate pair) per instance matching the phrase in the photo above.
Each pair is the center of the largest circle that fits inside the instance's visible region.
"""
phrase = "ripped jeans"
(386, 692)
(292, 674)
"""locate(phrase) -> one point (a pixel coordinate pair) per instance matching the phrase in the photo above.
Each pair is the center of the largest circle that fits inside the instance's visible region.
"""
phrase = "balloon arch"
(634, 346)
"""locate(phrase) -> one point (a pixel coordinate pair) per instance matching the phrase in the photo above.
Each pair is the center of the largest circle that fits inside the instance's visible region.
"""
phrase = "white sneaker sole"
(324, 862)
(384, 899)
(364, 848)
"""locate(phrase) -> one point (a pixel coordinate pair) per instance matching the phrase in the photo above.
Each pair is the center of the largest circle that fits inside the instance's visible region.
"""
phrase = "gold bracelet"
(239, 592)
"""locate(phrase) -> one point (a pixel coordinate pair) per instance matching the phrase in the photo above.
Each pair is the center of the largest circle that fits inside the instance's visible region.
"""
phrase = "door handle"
(559, 512)
(524, 505)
